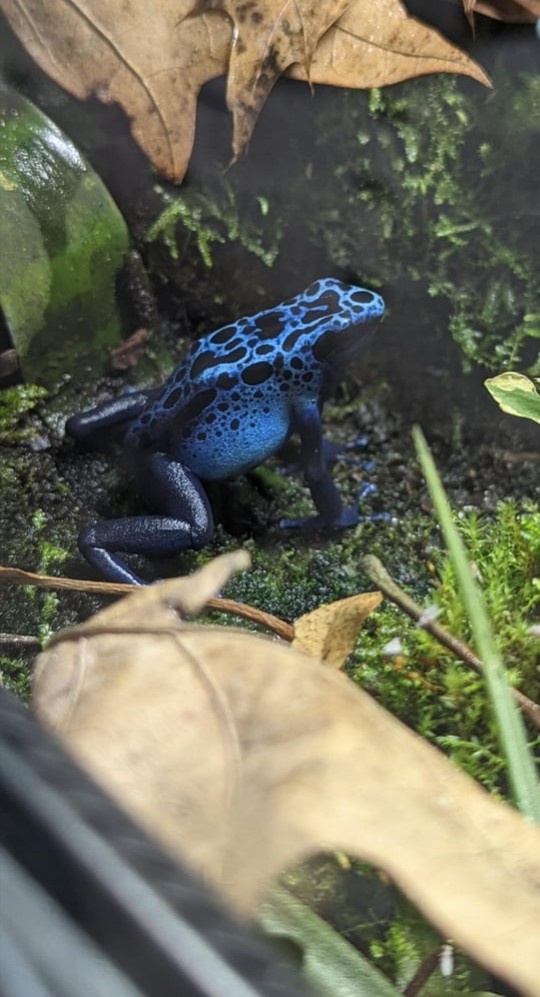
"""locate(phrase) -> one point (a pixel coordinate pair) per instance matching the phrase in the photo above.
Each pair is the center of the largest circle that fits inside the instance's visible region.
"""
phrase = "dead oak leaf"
(243, 756)
(152, 61)
(377, 44)
(154, 64)
(330, 631)
(518, 11)
(269, 36)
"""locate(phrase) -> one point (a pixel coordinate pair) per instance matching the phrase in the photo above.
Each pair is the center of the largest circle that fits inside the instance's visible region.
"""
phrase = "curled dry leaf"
(271, 35)
(243, 756)
(128, 353)
(330, 631)
(519, 11)
(161, 605)
(155, 70)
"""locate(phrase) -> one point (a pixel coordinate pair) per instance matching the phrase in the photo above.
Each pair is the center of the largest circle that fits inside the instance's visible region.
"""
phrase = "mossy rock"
(62, 242)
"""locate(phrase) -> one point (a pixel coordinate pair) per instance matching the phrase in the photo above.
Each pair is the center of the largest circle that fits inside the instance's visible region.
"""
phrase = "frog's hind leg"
(185, 521)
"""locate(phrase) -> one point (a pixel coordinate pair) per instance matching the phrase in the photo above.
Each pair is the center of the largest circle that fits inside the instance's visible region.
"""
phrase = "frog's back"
(227, 405)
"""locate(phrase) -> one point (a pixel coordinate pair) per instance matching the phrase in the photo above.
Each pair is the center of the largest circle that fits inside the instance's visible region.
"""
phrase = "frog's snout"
(377, 305)
(348, 304)
(364, 305)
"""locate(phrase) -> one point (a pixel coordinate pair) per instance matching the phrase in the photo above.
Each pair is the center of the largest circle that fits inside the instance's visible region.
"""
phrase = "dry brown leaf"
(376, 44)
(330, 631)
(518, 11)
(129, 352)
(151, 63)
(269, 36)
(155, 70)
(244, 756)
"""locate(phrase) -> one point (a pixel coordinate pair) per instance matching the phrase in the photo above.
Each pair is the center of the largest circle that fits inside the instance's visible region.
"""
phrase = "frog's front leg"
(313, 457)
(184, 520)
(93, 426)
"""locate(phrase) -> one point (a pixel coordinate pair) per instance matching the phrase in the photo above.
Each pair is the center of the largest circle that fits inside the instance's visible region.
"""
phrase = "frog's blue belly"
(230, 450)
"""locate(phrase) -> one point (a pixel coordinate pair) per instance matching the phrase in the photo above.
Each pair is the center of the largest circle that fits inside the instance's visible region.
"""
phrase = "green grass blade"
(521, 769)
(330, 964)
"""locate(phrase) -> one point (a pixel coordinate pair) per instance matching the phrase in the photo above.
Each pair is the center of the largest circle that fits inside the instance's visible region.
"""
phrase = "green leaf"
(62, 241)
(330, 964)
(521, 769)
(515, 394)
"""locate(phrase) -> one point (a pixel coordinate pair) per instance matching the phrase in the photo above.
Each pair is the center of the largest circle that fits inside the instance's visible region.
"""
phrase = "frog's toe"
(297, 522)
(345, 519)
(366, 489)
(349, 517)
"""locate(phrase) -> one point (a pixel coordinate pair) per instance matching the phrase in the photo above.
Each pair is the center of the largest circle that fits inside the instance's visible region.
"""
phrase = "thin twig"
(378, 574)
(274, 623)
(426, 969)
(16, 576)
(24, 640)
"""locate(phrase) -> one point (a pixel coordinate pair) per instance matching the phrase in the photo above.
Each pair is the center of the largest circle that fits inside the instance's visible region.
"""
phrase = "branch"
(378, 574)
(16, 576)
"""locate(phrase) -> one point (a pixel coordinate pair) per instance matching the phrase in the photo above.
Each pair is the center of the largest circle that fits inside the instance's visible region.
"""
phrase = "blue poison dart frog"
(234, 399)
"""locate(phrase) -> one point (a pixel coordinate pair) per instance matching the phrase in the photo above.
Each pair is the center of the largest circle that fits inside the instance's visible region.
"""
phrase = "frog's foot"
(331, 512)
(344, 451)
(153, 536)
(366, 488)
(346, 518)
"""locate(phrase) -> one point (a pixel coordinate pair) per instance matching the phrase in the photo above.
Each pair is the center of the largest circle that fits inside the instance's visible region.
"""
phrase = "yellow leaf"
(330, 631)
(515, 394)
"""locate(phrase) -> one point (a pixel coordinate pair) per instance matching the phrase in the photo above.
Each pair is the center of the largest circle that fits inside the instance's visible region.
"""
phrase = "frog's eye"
(325, 346)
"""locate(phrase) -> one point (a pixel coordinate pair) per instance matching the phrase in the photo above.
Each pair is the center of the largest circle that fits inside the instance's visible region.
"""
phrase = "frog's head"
(343, 317)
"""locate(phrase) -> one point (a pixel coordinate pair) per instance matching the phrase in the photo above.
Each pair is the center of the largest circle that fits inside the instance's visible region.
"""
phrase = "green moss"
(407, 942)
(294, 571)
(367, 910)
(212, 219)
(67, 242)
(37, 530)
(49, 554)
(424, 684)
(15, 676)
(428, 174)
(15, 404)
